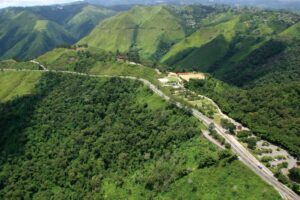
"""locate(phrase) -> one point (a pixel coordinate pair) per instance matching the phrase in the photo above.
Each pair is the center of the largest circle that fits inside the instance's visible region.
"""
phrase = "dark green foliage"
(227, 145)
(244, 134)
(167, 171)
(207, 162)
(228, 126)
(296, 188)
(216, 136)
(271, 109)
(76, 131)
(251, 68)
(295, 174)
(133, 55)
(251, 143)
(282, 178)
(85, 60)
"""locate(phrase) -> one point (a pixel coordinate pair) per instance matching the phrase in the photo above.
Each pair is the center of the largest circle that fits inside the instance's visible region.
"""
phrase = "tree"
(211, 127)
(251, 143)
(228, 126)
(295, 174)
(227, 145)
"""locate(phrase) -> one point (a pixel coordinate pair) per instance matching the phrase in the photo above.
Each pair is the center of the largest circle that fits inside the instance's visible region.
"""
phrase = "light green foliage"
(16, 84)
(116, 68)
(97, 62)
(12, 64)
(292, 32)
(151, 30)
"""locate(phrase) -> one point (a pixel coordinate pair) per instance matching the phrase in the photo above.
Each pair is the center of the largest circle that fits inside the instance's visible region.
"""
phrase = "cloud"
(9, 3)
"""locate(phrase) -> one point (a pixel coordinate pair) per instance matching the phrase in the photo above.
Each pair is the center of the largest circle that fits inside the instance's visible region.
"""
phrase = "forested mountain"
(193, 37)
(148, 30)
(71, 136)
(75, 137)
(29, 32)
(247, 48)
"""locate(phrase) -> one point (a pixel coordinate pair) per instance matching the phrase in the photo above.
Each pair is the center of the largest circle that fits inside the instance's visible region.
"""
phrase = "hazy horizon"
(262, 3)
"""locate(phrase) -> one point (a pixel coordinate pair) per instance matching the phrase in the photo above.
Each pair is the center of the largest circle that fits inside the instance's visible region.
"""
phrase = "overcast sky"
(8, 3)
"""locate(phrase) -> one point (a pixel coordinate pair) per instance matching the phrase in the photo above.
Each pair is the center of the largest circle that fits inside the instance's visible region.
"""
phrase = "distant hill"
(29, 32)
(149, 30)
(254, 51)
(228, 43)
(293, 5)
(183, 38)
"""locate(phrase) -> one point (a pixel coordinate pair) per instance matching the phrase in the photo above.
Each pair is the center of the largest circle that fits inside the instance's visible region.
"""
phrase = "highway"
(244, 155)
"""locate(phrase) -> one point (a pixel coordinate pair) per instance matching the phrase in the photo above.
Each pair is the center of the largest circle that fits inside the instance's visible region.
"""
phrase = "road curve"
(244, 155)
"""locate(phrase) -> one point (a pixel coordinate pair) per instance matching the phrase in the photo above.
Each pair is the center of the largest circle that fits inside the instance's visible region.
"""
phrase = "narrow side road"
(244, 155)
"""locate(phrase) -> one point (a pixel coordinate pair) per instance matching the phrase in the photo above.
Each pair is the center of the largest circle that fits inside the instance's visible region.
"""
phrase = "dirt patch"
(189, 76)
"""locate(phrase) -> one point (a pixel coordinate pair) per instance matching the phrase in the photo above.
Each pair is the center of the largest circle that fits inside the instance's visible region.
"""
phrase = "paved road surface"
(244, 155)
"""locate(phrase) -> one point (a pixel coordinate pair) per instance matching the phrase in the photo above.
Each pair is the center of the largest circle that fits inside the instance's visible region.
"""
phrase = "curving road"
(244, 155)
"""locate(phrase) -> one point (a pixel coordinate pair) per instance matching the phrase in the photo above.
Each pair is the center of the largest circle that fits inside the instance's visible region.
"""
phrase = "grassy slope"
(64, 59)
(115, 68)
(143, 27)
(17, 84)
(181, 52)
(291, 32)
(37, 37)
(244, 31)
(58, 59)
(83, 22)
(12, 64)
(229, 180)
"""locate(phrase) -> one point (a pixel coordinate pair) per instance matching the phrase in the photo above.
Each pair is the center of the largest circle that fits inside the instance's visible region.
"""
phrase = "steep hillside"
(85, 21)
(149, 30)
(203, 48)
(29, 32)
(17, 84)
(228, 39)
(43, 36)
(79, 138)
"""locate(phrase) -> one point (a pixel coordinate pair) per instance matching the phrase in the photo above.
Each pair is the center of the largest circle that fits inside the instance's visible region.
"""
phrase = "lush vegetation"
(94, 61)
(271, 110)
(295, 174)
(46, 27)
(17, 84)
(12, 64)
(85, 138)
(150, 30)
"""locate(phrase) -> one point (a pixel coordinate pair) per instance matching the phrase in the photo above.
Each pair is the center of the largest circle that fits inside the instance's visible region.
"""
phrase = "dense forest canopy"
(78, 137)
